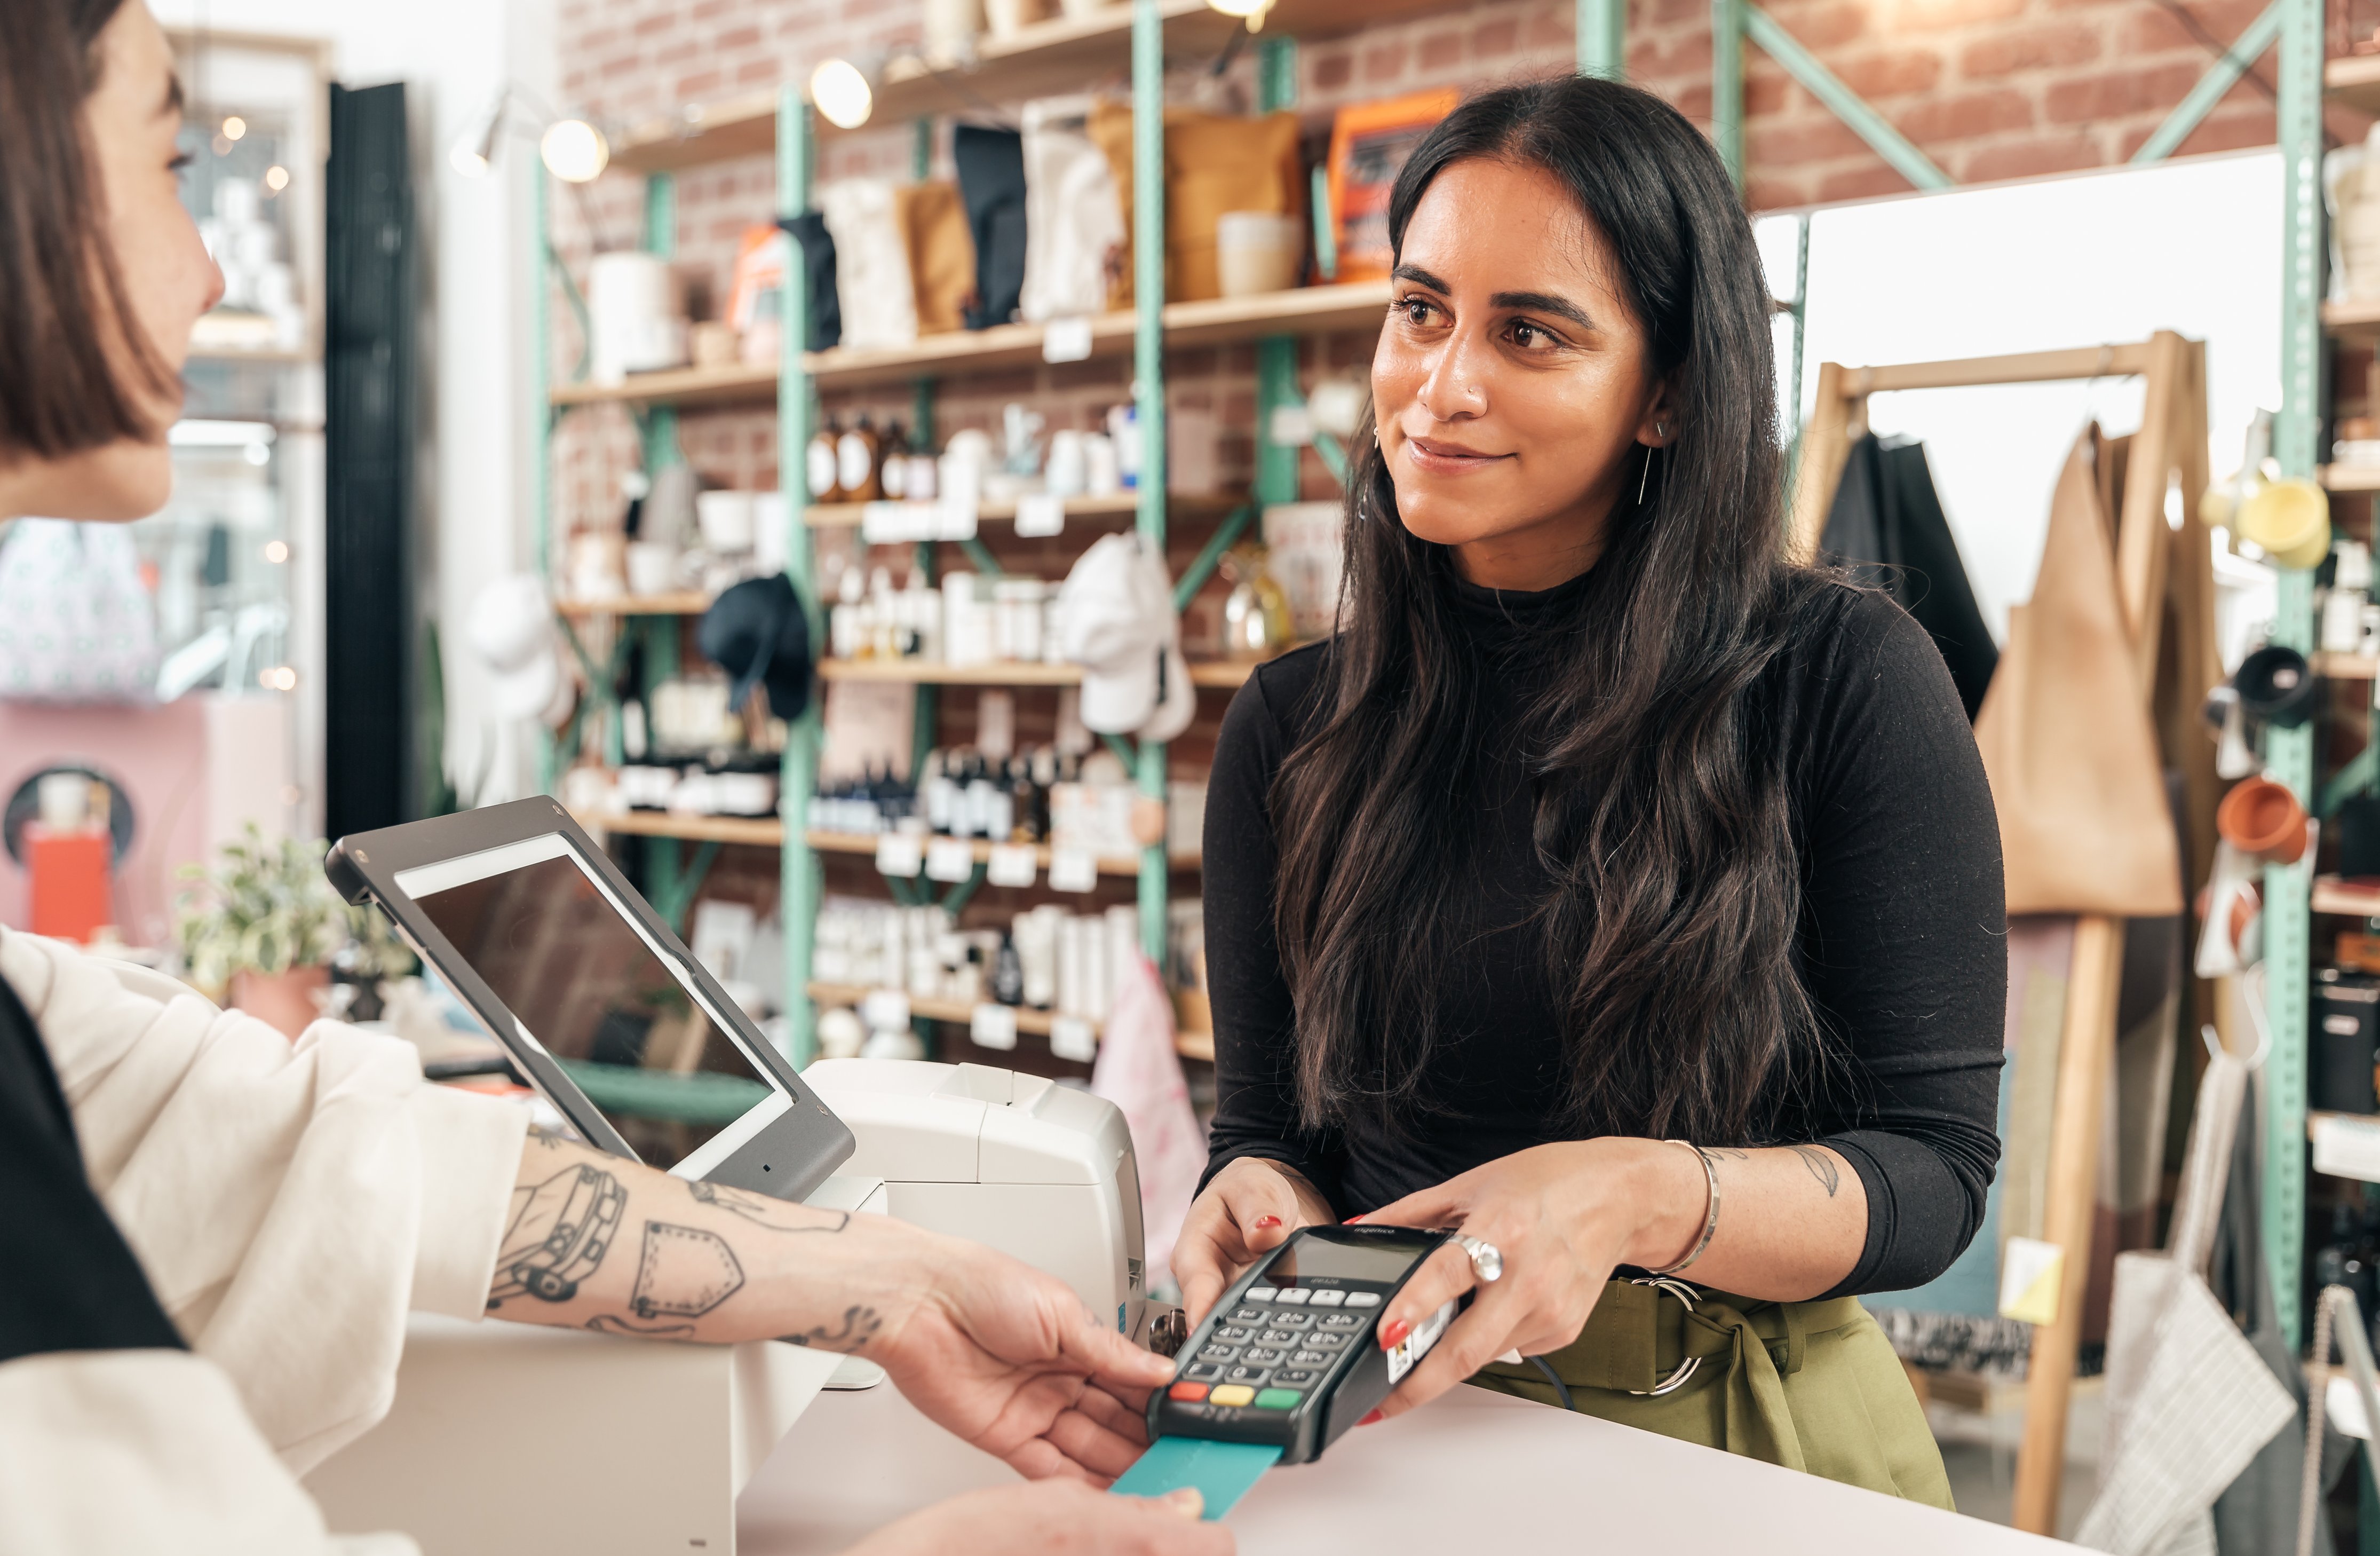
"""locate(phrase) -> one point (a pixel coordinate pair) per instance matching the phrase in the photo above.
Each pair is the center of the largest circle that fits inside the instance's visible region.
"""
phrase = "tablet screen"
(586, 984)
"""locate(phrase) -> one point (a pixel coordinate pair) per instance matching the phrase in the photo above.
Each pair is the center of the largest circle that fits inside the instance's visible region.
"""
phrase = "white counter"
(1472, 1472)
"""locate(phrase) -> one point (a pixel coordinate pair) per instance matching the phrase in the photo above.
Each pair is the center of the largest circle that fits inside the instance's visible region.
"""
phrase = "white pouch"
(871, 264)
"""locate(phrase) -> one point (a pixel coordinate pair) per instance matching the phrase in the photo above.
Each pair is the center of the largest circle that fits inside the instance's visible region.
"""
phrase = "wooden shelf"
(684, 602)
(765, 831)
(2351, 478)
(1299, 311)
(864, 842)
(1064, 55)
(2353, 79)
(1004, 673)
(1121, 504)
(734, 385)
(2345, 667)
(1190, 1045)
(2358, 319)
(2348, 899)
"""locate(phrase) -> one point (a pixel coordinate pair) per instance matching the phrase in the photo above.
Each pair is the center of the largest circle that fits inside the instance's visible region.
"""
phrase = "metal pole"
(802, 880)
(1148, 385)
(1602, 28)
(1726, 85)
(540, 464)
(2291, 752)
(1276, 355)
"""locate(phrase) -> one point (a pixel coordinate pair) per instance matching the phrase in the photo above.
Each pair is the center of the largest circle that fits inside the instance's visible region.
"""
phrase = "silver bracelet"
(1710, 1221)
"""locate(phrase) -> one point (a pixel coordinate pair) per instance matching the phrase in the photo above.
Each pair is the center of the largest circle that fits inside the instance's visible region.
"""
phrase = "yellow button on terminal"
(1232, 1393)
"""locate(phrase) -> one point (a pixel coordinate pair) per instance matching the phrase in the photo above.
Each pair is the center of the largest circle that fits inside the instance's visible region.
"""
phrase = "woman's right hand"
(1249, 1208)
(1052, 1518)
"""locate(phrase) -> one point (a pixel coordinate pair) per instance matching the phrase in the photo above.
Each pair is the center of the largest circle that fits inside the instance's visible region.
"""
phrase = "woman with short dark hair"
(1607, 886)
(210, 1237)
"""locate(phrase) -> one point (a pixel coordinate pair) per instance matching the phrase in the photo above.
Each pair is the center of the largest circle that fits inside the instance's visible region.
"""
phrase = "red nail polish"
(1369, 1419)
(1350, 1221)
(1392, 1333)
(1263, 1221)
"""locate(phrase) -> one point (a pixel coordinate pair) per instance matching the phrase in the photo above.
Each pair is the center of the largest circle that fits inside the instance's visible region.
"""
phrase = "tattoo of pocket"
(1821, 1166)
(560, 1231)
(685, 1272)
(859, 1325)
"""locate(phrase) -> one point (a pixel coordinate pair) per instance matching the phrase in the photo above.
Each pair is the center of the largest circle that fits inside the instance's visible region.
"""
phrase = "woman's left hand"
(1564, 1216)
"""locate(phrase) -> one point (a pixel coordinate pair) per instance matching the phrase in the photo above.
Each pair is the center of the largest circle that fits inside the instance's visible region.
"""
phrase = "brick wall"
(1988, 89)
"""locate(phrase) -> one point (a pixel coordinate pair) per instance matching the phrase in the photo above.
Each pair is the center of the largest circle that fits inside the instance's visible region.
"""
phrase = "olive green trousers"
(1813, 1386)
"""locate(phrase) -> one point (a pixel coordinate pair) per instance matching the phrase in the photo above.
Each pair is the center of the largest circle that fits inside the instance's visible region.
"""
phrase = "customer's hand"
(1054, 1518)
(1248, 1210)
(1009, 1358)
(1564, 1216)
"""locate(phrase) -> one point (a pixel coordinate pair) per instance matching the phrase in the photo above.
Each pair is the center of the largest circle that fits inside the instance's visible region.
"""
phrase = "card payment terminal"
(1288, 1360)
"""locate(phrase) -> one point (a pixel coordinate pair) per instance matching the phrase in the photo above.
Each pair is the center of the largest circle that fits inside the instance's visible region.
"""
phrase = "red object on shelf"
(70, 894)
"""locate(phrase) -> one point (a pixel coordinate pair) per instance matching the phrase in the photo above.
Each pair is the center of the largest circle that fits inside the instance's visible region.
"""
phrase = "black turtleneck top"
(1902, 943)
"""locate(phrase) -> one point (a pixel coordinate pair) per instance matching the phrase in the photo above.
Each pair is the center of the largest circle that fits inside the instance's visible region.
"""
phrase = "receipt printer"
(1040, 1170)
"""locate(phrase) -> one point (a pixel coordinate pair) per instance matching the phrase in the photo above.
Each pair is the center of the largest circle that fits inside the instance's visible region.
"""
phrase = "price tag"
(993, 1027)
(885, 1010)
(1040, 513)
(1073, 1037)
(953, 518)
(896, 853)
(1073, 869)
(1067, 339)
(1011, 865)
(950, 859)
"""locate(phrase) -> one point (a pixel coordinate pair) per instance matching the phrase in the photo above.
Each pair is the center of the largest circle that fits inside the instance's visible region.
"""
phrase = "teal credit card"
(1221, 1471)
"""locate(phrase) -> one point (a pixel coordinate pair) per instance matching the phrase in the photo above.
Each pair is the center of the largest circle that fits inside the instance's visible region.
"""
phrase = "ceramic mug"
(2262, 818)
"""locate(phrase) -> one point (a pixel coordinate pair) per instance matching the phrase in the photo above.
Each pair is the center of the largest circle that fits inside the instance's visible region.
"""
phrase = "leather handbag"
(2066, 735)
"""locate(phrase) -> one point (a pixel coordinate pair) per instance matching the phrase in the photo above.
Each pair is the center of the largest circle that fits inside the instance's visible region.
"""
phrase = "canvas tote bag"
(2066, 736)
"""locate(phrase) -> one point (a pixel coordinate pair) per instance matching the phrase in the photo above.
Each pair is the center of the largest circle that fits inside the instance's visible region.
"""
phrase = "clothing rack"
(2170, 446)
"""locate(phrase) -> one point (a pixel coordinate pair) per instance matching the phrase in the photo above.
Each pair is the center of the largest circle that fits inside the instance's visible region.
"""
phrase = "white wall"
(2193, 245)
(473, 491)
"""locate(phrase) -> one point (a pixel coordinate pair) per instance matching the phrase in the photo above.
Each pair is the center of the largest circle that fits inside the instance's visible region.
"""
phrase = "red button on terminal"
(1189, 1393)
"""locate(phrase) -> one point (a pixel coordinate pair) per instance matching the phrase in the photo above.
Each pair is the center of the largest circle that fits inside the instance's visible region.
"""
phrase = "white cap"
(511, 628)
(1116, 620)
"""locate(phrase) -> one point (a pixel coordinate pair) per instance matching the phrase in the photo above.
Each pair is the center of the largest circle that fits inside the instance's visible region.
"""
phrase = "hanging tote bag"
(2066, 737)
(76, 625)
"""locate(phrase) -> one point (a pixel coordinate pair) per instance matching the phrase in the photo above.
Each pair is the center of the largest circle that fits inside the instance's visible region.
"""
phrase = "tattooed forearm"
(1821, 1165)
(685, 1272)
(559, 1232)
(761, 1210)
(859, 1325)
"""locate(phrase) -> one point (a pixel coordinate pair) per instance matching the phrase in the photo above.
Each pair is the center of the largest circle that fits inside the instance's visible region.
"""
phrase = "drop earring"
(1642, 471)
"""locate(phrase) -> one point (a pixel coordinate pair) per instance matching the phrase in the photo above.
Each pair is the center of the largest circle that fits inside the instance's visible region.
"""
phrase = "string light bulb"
(840, 91)
(575, 151)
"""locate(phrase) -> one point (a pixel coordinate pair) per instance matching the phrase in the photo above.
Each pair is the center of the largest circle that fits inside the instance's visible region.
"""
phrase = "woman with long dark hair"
(1607, 886)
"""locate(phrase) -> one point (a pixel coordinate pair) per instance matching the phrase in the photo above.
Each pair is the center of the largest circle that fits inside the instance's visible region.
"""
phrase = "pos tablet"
(602, 1008)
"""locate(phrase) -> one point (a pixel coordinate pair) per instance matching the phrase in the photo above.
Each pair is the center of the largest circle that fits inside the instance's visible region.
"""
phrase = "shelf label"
(896, 853)
(954, 518)
(1039, 514)
(1073, 1037)
(885, 1010)
(1073, 869)
(993, 1026)
(1011, 865)
(2031, 1280)
(949, 858)
(1067, 339)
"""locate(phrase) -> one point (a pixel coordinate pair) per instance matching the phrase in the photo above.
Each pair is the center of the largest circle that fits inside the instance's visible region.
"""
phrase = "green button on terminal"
(1280, 1399)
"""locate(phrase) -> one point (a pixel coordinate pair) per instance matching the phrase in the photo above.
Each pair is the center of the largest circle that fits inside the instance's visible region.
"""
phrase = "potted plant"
(261, 929)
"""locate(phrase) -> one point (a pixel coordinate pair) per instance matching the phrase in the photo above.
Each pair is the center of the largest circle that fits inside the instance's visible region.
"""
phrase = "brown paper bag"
(2066, 736)
(1213, 163)
(941, 253)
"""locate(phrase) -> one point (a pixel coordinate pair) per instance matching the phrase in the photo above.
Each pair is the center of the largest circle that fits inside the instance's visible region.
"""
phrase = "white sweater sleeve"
(149, 1452)
(288, 1201)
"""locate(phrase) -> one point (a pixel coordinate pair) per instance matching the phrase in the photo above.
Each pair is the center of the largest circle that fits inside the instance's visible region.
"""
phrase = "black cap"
(756, 632)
